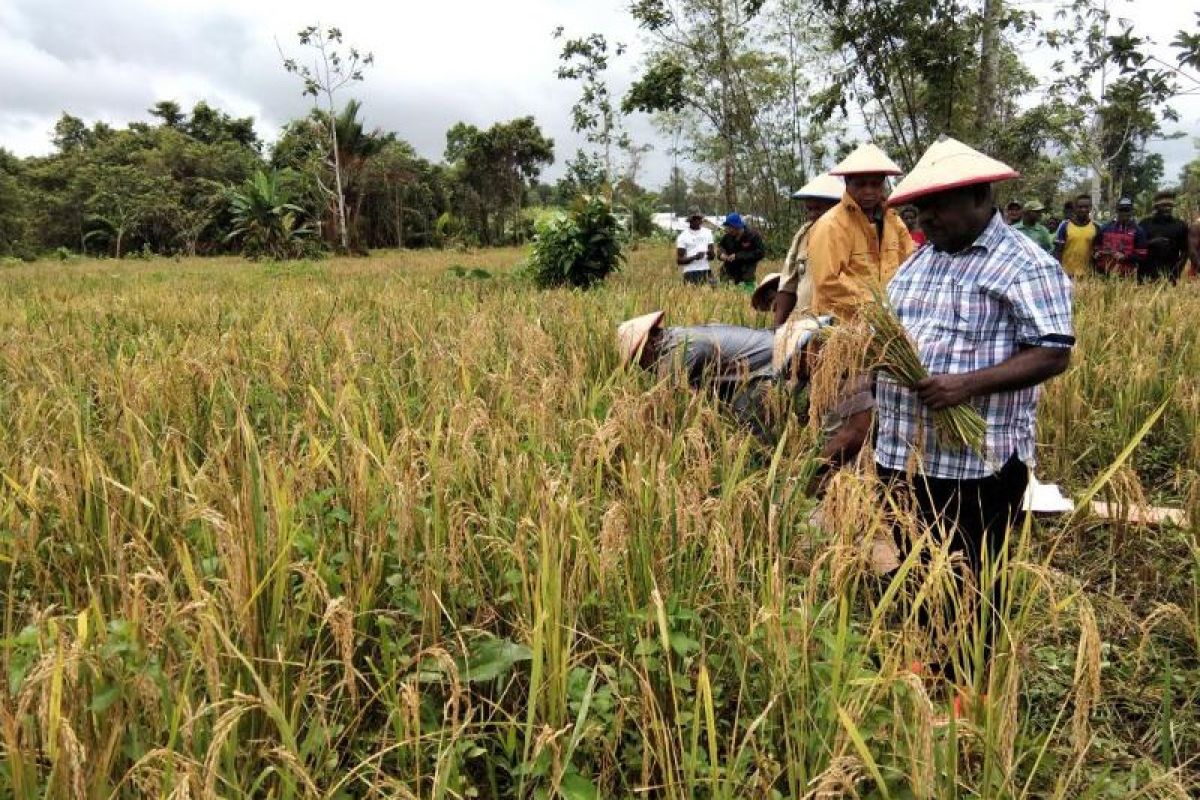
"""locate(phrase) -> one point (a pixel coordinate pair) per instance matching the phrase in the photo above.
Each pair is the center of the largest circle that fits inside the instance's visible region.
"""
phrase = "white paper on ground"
(1140, 515)
(1046, 498)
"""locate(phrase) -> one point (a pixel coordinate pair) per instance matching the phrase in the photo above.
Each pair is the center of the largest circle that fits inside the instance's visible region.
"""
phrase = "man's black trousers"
(975, 514)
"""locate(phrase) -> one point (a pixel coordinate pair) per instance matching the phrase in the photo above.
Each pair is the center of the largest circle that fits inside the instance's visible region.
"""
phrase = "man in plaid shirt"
(990, 314)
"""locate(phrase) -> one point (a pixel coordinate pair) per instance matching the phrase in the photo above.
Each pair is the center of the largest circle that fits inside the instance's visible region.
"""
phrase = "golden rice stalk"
(839, 780)
(840, 358)
(891, 350)
(1087, 677)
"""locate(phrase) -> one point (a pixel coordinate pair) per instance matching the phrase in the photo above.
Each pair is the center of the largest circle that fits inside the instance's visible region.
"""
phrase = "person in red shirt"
(1122, 246)
(909, 215)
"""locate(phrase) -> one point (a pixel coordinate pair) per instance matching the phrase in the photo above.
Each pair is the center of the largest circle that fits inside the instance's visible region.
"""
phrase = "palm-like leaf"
(265, 220)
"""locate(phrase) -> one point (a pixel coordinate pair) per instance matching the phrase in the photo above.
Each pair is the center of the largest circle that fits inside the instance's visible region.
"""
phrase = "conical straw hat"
(867, 159)
(823, 187)
(769, 283)
(631, 334)
(949, 164)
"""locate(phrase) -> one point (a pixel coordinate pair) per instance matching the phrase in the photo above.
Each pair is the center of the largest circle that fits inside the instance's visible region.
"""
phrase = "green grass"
(379, 528)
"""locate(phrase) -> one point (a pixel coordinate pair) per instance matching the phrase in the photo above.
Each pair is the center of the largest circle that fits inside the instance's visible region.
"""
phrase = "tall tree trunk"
(724, 57)
(1098, 136)
(343, 236)
(798, 171)
(606, 134)
(989, 68)
(399, 218)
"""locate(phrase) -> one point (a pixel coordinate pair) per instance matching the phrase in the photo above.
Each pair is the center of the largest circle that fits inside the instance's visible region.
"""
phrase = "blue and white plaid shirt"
(968, 311)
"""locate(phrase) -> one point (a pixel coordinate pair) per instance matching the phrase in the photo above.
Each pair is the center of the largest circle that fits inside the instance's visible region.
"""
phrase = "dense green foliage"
(265, 222)
(492, 169)
(169, 188)
(577, 249)
(762, 93)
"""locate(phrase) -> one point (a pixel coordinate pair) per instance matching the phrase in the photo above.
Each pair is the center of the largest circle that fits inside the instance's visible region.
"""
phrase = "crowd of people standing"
(1158, 247)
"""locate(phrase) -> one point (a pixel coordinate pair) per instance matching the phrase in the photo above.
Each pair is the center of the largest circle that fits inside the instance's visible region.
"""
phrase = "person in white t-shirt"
(694, 249)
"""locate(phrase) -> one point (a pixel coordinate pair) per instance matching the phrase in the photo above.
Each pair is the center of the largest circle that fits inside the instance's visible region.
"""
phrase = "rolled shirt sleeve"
(1040, 299)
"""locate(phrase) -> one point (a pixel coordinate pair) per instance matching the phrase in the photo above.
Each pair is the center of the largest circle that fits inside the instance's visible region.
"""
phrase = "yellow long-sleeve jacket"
(847, 259)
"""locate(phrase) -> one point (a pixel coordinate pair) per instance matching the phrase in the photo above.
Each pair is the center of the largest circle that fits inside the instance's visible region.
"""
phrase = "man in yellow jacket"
(858, 245)
(795, 283)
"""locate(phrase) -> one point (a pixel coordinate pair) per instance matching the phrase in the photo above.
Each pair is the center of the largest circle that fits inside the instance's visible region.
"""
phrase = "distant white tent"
(667, 221)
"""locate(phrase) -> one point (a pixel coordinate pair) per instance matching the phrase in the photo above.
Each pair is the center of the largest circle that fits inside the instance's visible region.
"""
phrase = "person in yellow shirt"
(795, 284)
(1077, 238)
(857, 246)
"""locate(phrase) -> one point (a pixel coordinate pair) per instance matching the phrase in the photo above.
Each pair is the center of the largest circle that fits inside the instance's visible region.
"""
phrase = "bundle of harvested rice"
(891, 350)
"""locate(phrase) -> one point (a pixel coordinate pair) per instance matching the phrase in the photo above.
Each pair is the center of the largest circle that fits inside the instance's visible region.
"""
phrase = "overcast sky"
(437, 62)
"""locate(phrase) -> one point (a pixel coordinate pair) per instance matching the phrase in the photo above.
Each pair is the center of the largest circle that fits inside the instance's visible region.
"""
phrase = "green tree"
(584, 174)
(705, 194)
(910, 86)
(1187, 42)
(303, 147)
(673, 194)
(14, 217)
(211, 126)
(124, 199)
(1128, 124)
(732, 84)
(639, 213)
(492, 169)
(356, 147)
(169, 112)
(586, 60)
(403, 195)
(71, 135)
(89, 191)
(801, 67)
(1118, 87)
(265, 222)
(700, 49)
(199, 170)
(332, 69)
(1189, 187)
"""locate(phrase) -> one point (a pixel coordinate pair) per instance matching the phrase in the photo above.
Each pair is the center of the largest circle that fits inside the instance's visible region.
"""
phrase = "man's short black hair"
(1013, 204)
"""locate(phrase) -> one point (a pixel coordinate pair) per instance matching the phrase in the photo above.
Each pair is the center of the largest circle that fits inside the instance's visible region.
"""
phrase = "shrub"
(640, 219)
(579, 249)
(448, 231)
(475, 274)
(265, 220)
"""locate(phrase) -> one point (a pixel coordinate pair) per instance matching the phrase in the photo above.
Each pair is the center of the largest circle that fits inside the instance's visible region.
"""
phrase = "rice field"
(386, 527)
